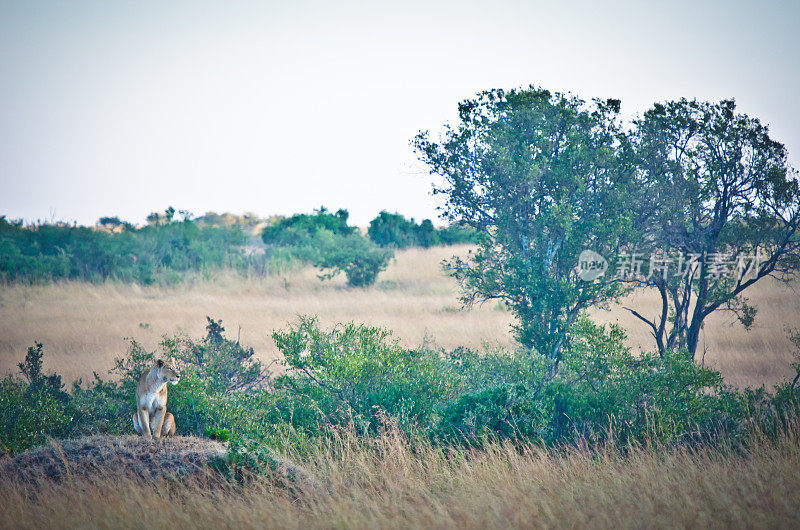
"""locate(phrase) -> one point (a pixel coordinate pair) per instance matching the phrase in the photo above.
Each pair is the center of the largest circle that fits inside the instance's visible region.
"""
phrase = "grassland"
(83, 326)
(389, 483)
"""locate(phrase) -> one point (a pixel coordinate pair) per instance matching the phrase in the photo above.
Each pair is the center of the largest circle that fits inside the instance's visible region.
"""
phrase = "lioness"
(151, 417)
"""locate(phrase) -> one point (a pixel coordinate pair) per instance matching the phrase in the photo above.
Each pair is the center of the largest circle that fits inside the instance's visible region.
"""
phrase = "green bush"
(299, 229)
(394, 230)
(498, 395)
(498, 413)
(359, 259)
(356, 374)
(325, 241)
(104, 407)
(603, 390)
(456, 234)
(222, 364)
(219, 434)
(34, 408)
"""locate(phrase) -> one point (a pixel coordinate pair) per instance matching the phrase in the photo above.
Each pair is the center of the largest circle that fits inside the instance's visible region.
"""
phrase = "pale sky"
(123, 108)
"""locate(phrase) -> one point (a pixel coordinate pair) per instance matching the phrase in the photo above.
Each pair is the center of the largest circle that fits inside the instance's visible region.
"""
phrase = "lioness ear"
(160, 363)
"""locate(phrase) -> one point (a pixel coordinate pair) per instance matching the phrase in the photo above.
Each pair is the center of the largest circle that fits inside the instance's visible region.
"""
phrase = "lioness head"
(167, 373)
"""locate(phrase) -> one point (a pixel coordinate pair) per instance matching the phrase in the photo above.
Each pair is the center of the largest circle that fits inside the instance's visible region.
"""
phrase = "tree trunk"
(693, 333)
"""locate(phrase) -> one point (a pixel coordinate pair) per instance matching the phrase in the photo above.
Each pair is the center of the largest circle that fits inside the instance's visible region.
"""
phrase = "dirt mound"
(130, 455)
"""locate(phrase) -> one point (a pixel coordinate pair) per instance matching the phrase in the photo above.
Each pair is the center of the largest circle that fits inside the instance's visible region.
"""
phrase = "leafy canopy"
(542, 176)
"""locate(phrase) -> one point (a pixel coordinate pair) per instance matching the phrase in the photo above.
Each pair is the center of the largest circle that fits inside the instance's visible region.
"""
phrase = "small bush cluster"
(324, 240)
(394, 230)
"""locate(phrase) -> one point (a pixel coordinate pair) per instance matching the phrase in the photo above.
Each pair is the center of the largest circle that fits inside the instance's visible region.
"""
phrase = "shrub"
(359, 259)
(602, 386)
(355, 373)
(222, 435)
(222, 364)
(394, 230)
(33, 409)
(457, 234)
(601, 390)
(497, 413)
(104, 407)
(324, 240)
(499, 395)
(299, 229)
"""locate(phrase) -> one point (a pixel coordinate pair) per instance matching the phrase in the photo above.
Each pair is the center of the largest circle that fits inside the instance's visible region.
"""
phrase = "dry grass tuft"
(390, 483)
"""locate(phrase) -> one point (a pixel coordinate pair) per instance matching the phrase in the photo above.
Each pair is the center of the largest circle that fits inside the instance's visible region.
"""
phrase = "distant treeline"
(47, 252)
(168, 247)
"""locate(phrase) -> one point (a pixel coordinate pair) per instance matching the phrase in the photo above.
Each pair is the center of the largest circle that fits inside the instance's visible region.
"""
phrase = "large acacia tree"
(720, 195)
(542, 176)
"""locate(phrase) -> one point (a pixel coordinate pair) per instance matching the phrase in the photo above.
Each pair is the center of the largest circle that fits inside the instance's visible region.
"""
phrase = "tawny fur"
(151, 418)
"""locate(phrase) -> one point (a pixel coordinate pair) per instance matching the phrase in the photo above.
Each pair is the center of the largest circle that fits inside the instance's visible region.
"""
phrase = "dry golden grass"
(389, 484)
(83, 326)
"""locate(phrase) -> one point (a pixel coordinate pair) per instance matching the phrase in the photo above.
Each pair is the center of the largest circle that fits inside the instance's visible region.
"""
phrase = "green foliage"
(33, 409)
(224, 365)
(157, 253)
(501, 412)
(325, 241)
(542, 176)
(498, 395)
(455, 234)
(356, 256)
(105, 407)
(354, 374)
(601, 391)
(359, 379)
(603, 386)
(394, 230)
(727, 193)
(221, 435)
(299, 229)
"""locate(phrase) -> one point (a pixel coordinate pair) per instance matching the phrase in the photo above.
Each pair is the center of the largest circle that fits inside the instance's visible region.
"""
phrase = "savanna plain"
(85, 326)
(390, 480)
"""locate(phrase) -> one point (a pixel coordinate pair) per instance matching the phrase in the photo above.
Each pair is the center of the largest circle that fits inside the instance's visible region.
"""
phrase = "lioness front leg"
(144, 423)
(158, 422)
(136, 427)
